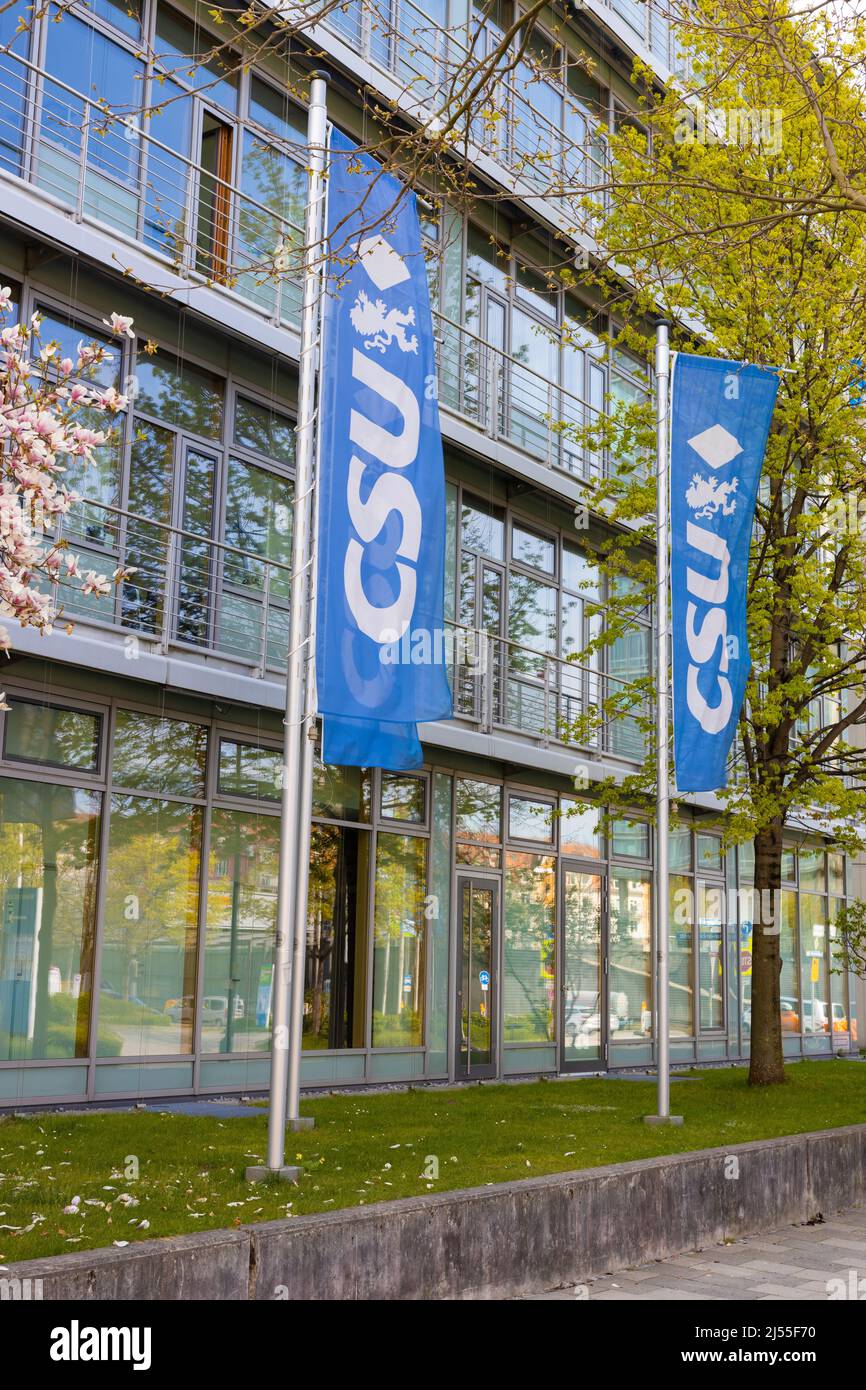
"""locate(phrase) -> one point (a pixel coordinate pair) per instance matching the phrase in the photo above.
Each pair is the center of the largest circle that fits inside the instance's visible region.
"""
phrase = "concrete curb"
(485, 1242)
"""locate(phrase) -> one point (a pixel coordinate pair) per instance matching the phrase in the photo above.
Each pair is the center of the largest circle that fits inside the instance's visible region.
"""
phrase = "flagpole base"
(258, 1172)
(301, 1122)
(662, 1119)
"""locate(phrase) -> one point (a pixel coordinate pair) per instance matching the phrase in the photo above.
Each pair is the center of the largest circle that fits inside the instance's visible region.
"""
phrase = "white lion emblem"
(381, 325)
(706, 495)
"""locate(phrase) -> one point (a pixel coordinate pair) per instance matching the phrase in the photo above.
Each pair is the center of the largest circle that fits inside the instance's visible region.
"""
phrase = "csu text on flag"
(720, 420)
(380, 649)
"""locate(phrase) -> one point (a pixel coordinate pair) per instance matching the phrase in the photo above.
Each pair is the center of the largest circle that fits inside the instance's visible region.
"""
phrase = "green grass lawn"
(369, 1148)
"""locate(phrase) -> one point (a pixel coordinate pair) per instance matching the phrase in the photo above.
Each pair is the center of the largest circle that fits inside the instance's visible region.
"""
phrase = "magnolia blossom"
(41, 429)
(120, 325)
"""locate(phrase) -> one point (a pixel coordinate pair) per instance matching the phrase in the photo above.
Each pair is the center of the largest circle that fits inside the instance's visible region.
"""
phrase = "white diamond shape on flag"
(382, 263)
(716, 446)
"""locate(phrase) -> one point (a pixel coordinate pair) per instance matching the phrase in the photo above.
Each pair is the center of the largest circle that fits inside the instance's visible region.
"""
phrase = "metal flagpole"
(663, 361)
(297, 760)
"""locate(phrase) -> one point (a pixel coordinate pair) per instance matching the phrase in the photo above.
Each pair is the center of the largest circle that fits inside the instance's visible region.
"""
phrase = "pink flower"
(120, 325)
(5, 297)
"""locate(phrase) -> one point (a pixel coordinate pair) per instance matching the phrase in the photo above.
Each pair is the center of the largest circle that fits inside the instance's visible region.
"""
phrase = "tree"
(46, 405)
(793, 298)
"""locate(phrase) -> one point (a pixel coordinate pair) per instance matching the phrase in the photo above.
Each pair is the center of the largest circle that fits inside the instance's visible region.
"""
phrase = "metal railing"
(193, 594)
(111, 170)
(557, 158)
(511, 401)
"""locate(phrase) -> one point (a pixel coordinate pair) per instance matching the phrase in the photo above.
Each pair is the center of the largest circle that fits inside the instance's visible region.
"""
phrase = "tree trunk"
(766, 1067)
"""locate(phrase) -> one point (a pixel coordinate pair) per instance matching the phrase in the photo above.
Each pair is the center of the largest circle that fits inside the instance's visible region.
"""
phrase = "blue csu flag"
(720, 420)
(380, 648)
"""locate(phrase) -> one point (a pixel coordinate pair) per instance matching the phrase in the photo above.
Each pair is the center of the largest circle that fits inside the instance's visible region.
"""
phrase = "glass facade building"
(469, 921)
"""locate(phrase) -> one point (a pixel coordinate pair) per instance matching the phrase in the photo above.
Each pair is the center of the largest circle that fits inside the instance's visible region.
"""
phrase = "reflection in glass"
(247, 770)
(681, 929)
(529, 819)
(161, 755)
(179, 393)
(582, 1008)
(709, 851)
(265, 430)
(49, 838)
(529, 928)
(399, 941)
(483, 530)
(711, 908)
(151, 479)
(147, 989)
(241, 918)
(340, 793)
(475, 1041)
(813, 947)
(479, 811)
(630, 927)
(579, 835)
(335, 969)
(50, 734)
(843, 1026)
(680, 847)
(403, 798)
(631, 839)
(192, 619)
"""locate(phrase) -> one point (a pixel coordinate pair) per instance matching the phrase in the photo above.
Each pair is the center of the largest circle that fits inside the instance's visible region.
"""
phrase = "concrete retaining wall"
(487, 1242)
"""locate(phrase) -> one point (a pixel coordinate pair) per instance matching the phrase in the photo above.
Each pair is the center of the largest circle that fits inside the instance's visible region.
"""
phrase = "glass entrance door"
(478, 905)
(583, 1027)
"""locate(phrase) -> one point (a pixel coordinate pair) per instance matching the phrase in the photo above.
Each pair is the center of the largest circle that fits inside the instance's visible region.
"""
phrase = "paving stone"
(793, 1263)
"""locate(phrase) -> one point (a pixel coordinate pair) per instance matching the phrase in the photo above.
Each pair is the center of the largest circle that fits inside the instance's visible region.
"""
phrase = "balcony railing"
(511, 401)
(107, 169)
(422, 57)
(190, 594)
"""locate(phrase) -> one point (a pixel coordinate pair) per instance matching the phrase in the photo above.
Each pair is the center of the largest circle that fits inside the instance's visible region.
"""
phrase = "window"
(680, 949)
(711, 968)
(403, 798)
(478, 819)
(161, 755)
(147, 985)
(258, 522)
(528, 548)
(52, 735)
(483, 530)
(680, 848)
(631, 839)
(243, 876)
(340, 793)
(399, 941)
(579, 573)
(178, 393)
(14, 45)
(529, 819)
(109, 78)
(247, 770)
(709, 848)
(630, 973)
(178, 40)
(151, 480)
(335, 981)
(529, 925)
(814, 938)
(69, 333)
(812, 871)
(49, 845)
(578, 831)
(836, 873)
(265, 430)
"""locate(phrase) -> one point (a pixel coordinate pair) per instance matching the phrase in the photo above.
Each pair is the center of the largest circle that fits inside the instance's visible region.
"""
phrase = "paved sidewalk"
(794, 1263)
